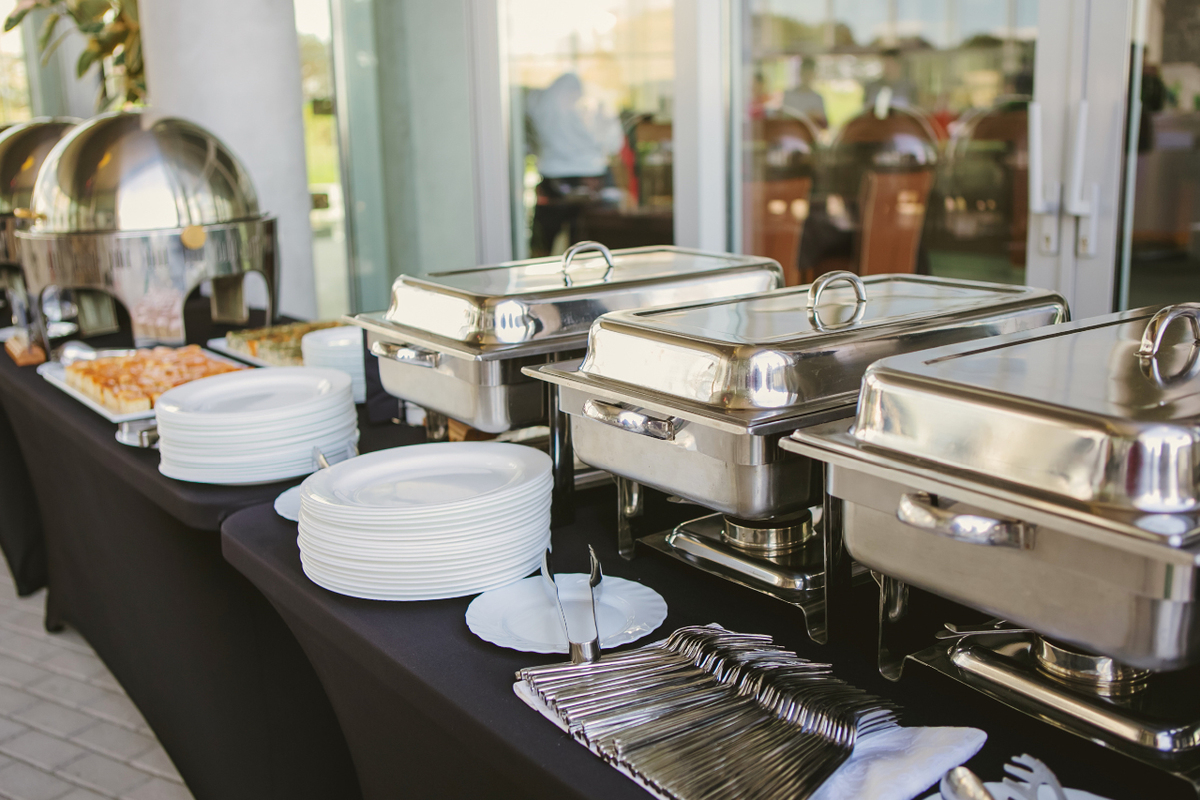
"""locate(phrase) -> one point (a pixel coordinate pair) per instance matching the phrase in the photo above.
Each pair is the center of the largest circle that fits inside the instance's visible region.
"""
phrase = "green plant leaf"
(18, 13)
(89, 56)
(47, 31)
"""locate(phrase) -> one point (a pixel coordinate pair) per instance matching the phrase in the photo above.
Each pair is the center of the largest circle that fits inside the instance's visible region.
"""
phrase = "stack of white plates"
(338, 348)
(255, 426)
(426, 522)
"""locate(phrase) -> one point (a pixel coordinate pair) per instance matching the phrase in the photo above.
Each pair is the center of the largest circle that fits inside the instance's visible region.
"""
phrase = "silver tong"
(583, 646)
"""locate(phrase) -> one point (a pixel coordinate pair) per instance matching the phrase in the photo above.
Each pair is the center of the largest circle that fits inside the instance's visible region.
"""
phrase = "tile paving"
(67, 730)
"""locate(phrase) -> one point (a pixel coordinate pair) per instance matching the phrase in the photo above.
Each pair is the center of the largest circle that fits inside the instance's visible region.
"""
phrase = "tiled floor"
(67, 730)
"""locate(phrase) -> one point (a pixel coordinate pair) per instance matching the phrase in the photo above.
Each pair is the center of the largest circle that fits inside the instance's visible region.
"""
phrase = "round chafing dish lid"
(547, 298)
(802, 346)
(23, 148)
(1100, 411)
(129, 171)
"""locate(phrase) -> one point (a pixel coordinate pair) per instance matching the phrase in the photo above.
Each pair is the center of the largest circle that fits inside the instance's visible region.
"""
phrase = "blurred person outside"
(904, 91)
(572, 159)
(804, 100)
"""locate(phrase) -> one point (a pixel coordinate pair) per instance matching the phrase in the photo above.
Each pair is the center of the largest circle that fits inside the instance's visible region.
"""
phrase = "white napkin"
(900, 763)
(1001, 792)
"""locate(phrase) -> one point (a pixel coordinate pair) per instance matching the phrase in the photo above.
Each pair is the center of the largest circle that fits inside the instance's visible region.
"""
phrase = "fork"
(1029, 775)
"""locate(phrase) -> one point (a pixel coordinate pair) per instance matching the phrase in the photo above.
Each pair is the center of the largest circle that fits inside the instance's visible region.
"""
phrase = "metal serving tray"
(1099, 413)
(1122, 583)
(455, 342)
(692, 399)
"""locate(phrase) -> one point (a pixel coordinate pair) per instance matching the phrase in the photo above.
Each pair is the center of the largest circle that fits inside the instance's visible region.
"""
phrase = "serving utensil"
(582, 648)
(1029, 775)
(962, 784)
(710, 713)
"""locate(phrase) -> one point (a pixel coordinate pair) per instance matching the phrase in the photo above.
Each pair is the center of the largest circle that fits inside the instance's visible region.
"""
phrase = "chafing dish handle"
(820, 284)
(582, 247)
(630, 420)
(1152, 339)
(405, 354)
(917, 510)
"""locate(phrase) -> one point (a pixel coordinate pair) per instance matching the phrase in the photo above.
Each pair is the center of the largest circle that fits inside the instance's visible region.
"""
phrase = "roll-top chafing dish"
(23, 148)
(146, 210)
(455, 342)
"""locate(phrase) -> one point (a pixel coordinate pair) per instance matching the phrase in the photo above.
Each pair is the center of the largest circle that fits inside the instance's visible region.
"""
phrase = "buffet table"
(428, 709)
(135, 566)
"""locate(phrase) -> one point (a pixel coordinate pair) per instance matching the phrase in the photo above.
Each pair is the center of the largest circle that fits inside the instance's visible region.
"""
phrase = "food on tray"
(278, 344)
(127, 384)
(23, 352)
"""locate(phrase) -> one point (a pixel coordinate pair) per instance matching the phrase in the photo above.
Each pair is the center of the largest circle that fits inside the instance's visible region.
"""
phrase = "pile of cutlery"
(709, 713)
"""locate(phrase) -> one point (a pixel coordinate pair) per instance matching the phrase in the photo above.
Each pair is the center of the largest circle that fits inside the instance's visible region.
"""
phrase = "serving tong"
(710, 713)
(585, 647)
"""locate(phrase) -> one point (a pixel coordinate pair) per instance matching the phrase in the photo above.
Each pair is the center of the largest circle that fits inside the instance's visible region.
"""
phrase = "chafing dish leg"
(838, 576)
(562, 456)
(893, 608)
(630, 505)
(437, 427)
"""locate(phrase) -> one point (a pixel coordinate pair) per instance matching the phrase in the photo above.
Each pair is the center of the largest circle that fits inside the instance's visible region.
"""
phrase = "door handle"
(1041, 201)
(1082, 203)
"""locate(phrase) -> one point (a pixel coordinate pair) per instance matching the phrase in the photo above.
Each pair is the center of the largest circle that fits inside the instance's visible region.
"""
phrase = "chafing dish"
(456, 342)
(693, 399)
(23, 148)
(146, 210)
(1047, 478)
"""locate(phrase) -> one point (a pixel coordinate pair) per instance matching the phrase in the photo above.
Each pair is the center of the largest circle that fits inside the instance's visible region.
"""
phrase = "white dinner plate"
(421, 557)
(341, 343)
(355, 519)
(430, 530)
(449, 475)
(427, 575)
(521, 616)
(287, 505)
(333, 584)
(253, 395)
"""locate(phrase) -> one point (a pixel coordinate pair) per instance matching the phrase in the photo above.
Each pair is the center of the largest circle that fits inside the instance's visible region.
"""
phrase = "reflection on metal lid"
(789, 349)
(1087, 411)
(126, 171)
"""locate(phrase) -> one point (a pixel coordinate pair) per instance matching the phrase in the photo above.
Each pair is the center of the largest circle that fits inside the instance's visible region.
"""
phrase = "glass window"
(887, 135)
(1162, 229)
(328, 217)
(591, 89)
(14, 79)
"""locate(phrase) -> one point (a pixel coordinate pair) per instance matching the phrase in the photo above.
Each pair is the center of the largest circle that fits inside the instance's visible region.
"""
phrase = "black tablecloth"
(428, 708)
(135, 565)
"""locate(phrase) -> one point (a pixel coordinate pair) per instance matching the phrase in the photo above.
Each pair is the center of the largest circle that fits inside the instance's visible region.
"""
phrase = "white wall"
(233, 66)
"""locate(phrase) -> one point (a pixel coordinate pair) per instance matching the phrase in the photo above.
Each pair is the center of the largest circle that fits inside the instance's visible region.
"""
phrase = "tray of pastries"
(275, 346)
(125, 385)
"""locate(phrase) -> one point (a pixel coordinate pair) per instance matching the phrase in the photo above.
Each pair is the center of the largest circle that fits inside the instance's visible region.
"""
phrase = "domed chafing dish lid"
(23, 148)
(128, 171)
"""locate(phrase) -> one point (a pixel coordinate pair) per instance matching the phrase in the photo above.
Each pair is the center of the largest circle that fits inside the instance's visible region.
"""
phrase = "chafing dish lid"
(23, 148)
(128, 171)
(1104, 410)
(799, 346)
(550, 298)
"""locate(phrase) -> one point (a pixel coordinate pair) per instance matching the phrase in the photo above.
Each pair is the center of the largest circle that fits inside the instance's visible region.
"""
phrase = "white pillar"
(234, 67)
(700, 122)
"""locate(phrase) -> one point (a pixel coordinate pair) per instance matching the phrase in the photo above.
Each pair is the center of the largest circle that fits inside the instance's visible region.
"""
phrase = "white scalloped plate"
(520, 616)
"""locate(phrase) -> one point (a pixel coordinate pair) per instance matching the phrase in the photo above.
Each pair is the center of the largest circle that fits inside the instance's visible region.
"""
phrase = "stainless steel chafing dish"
(146, 210)
(1048, 478)
(455, 342)
(23, 148)
(693, 399)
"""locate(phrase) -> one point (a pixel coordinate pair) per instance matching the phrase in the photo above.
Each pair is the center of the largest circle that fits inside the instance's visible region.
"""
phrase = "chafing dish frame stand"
(1022, 687)
(971, 662)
